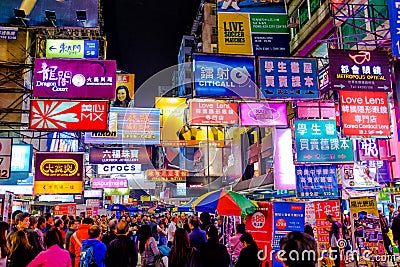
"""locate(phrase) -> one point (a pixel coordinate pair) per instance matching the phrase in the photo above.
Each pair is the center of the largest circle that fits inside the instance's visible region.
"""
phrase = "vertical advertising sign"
(222, 76)
(364, 113)
(359, 70)
(318, 181)
(253, 28)
(5, 157)
(125, 91)
(7, 206)
(288, 217)
(288, 77)
(366, 231)
(317, 141)
(284, 169)
(394, 22)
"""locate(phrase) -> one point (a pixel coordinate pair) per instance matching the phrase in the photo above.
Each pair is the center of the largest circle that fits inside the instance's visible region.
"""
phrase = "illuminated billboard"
(125, 91)
(263, 114)
(211, 112)
(65, 48)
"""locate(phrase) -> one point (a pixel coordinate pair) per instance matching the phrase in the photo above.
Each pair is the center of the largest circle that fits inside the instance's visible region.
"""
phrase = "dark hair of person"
(52, 237)
(145, 233)
(71, 223)
(240, 228)
(390, 205)
(205, 218)
(47, 215)
(87, 220)
(3, 239)
(58, 223)
(180, 250)
(41, 220)
(194, 220)
(94, 231)
(212, 233)
(117, 102)
(21, 217)
(32, 220)
(19, 239)
(122, 227)
(248, 238)
(305, 247)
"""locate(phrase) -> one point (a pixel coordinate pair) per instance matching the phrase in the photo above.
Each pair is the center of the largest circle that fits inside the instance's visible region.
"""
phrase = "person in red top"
(59, 225)
(75, 243)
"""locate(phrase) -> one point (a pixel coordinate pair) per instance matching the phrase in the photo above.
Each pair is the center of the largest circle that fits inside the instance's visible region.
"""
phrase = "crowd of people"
(140, 240)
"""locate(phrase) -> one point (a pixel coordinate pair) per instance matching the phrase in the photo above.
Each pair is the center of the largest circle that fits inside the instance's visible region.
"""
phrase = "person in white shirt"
(171, 230)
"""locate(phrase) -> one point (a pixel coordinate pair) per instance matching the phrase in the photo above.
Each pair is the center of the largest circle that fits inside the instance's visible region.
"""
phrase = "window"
(314, 5)
(214, 10)
(303, 14)
(214, 30)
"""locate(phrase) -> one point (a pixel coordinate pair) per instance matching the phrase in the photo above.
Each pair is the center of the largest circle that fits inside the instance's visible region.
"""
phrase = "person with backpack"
(93, 252)
(148, 247)
(122, 251)
(75, 243)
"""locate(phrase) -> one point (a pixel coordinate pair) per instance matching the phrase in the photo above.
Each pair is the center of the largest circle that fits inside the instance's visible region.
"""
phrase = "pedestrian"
(301, 244)
(197, 236)
(72, 227)
(148, 247)
(49, 221)
(392, 213)
(111, 233)
(41, 225)
(205, 220)
(182, 254)
(93, 250)
(249, 255)
(162, 234)
(213, 253)
(385, 230)
(334, 238)
(21, 252)
(59, 225)
(3, 243)
(396, 229)
(234, 245)
(54, 256)
(75, 243)
(122, 251)
(171, 230)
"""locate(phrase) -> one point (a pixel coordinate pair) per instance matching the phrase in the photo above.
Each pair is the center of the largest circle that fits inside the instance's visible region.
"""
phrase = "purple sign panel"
(359, 70)
(119, 155)
(263, 114)
(72, 78)
(58, 167)
(109, 183)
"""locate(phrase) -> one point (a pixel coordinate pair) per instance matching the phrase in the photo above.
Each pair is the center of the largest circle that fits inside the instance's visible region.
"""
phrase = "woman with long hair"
(248, 256)
(182, 254)
(123, 98)
(213, 253)
(21, 252)
(4, 227)
(148, 246)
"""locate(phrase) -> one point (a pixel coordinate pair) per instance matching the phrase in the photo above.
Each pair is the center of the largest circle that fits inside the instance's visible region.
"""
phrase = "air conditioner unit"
(293, 22)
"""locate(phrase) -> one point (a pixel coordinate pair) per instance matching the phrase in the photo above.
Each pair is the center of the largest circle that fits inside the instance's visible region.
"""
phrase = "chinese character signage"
(110, 183)
(119, 168)
(317, 141)
(209, 112)
(58, 173)
(394, 25)
(288, 217)
(253, 28)
(119, 155)
(171, 176)
(263, 114)
(74, 78)
(358, 176)
(222, 76)
(68, 115)
(316, 110)
(64, 48)
(366, 229)
(364, 113)
(318, 181)
(359, 70)
(5, 157)
(382, 170)
(373, 149)
(65, 209)
(137, 126)
(8, 33)
(288, 78)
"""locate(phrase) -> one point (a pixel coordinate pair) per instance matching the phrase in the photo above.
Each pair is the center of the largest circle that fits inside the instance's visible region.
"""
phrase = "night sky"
(144, 35)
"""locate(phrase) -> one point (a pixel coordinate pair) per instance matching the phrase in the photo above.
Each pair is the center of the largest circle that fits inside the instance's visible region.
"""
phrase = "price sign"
(5, 157)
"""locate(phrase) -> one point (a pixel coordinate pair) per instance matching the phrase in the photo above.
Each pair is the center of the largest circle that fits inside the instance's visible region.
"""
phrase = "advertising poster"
(288, 77)
(7, 206)
(166, 176)
(125, 91)
(367, 234)
(263, 114)
(394, 24)
(253, 28)
(318, 181)
(383, 174)
(134, 126)
(65, 12)
(58, 173)
(323, 209)
(288, 217)
(259, 225)
(110, 183)
(316, 110)
(222, 76)
(317, 141)
(364, 113)
(358, 176)
(373, 149)
(74, 78)
(116, 191)
(64, 48)
(68, 115)
(208, 112)
(65, 209)
(284, 169)
(5, 157)
(359, 70)
(136, 155)
(174, 114)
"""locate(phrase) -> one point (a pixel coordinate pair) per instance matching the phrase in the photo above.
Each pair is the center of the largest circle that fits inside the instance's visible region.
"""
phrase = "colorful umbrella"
(226, 203)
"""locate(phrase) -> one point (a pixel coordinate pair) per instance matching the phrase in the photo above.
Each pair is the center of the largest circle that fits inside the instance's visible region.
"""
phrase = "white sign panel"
(93, 193)
(118, 168)
(57, 198)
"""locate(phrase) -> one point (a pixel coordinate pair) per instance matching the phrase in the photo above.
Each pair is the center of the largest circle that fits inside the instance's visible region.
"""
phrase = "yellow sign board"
(57, 187)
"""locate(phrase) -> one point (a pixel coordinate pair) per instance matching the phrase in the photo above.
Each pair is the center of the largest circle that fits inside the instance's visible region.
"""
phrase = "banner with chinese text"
(211, 112)
(65, 209)
(137, 155)
(171, 176)
(319, 181)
